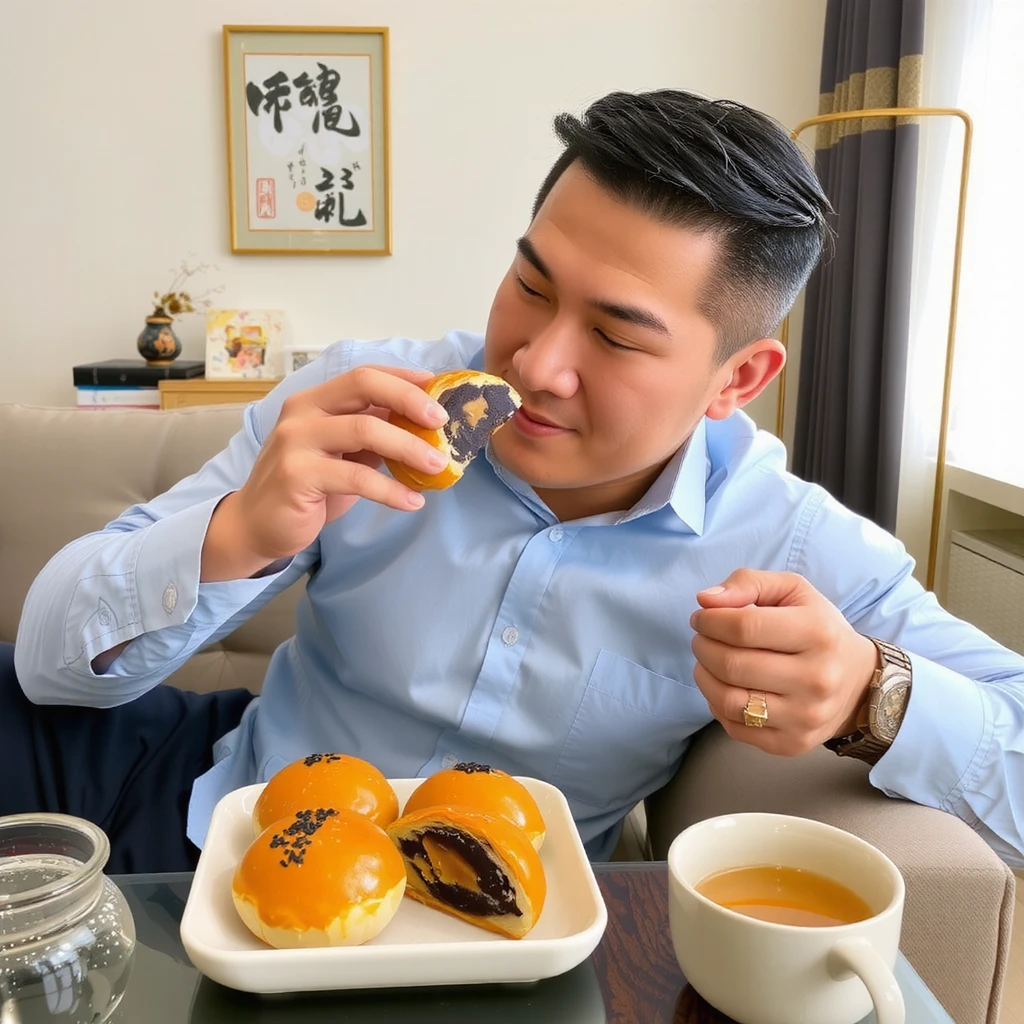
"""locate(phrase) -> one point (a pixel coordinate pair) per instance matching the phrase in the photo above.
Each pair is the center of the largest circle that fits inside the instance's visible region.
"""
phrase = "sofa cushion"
(67, 472)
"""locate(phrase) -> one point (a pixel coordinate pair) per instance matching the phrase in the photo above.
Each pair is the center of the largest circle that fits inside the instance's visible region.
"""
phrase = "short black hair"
(712, 166)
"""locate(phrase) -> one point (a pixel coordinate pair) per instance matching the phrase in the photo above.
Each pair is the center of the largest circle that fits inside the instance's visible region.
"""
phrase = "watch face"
(890, 709)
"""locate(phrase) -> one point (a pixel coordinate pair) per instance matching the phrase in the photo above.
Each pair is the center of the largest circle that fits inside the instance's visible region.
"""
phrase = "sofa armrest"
(959, 902)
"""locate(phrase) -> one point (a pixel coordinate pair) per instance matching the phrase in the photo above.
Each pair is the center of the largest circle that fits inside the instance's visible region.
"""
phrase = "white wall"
(113, 166)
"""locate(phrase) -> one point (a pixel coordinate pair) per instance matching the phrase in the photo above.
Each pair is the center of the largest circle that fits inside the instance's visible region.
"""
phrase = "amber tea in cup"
(784, 895)
(811, 942)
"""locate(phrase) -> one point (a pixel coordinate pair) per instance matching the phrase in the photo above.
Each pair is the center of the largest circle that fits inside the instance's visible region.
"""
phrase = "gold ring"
(755, 711)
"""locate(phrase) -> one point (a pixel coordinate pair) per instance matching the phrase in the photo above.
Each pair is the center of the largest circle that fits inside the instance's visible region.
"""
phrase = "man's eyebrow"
(633, 315)
(530, 254)
(629, 314)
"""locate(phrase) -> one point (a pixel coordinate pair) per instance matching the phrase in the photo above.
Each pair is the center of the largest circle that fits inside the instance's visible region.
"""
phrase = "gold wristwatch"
(882, 713)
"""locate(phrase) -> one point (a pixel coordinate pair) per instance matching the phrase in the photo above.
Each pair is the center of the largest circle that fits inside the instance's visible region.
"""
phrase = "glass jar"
(67, 937)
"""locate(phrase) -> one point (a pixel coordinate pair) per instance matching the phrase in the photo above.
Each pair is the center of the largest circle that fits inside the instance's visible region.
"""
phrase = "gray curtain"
(853, 361)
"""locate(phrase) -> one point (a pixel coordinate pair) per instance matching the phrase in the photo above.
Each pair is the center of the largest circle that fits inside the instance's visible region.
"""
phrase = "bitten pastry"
(319, 878)
(479, 787)
(477, 404)
(475, 866)
(326, 780)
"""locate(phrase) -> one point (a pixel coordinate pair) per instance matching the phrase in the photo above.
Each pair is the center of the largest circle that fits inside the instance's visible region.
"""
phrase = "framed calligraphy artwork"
(307, 127)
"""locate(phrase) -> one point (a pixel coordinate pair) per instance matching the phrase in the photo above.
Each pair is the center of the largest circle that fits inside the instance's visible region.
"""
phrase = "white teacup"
(758, 972)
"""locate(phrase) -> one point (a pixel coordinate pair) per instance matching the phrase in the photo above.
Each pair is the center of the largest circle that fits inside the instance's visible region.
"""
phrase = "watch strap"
(863, 744)
(892, 654)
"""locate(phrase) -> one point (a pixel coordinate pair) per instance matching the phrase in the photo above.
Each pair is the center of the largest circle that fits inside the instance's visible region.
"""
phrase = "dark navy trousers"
(128, 769)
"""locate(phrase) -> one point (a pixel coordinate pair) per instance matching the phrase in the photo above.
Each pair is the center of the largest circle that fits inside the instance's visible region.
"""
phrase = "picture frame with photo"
(246, 344)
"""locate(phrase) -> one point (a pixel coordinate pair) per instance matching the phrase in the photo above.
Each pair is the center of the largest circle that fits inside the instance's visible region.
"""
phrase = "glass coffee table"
(631, 978)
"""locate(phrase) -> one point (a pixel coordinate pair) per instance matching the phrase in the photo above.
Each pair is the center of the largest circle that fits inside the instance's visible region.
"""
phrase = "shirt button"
(170, 598)
(509, 635)
(556, 533)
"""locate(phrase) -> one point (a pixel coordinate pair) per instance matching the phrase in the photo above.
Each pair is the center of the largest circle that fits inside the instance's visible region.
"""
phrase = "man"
(628, 559)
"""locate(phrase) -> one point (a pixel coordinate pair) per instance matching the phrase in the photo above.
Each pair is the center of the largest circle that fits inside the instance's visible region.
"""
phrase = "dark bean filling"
(496, 895)
(466, 441)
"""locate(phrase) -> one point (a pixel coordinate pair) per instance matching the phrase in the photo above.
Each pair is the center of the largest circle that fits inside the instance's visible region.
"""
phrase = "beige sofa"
(65, 472)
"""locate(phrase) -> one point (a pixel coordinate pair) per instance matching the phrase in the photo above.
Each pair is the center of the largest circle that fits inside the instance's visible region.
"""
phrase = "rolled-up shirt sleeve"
(960, 747)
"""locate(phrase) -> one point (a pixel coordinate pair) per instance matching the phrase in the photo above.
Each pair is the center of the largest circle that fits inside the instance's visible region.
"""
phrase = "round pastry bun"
(340, 781)
(479, 787)
(319, 878)
(477, 867)
(477, 404)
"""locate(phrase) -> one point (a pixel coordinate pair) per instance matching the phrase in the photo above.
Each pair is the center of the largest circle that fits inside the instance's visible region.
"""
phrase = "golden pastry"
(477, 404)
(340, 781)
(475, 866)
(320, 877)
(479, 787)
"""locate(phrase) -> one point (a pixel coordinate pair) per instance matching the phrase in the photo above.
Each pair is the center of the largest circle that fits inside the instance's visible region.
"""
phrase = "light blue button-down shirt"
(483, 629)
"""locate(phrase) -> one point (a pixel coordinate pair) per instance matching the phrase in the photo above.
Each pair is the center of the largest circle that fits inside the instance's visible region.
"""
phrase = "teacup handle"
(858, 957)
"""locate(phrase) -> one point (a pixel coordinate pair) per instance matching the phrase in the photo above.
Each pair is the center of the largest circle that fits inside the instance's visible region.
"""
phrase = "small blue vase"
(158, 344)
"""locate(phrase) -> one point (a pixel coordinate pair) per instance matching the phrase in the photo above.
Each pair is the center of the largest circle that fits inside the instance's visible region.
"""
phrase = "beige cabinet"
(176, 394)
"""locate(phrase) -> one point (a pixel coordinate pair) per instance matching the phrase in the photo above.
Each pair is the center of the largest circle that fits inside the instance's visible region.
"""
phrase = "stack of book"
(128, 383)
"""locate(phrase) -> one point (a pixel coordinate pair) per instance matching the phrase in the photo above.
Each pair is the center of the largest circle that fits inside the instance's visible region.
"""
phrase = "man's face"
(596, 325)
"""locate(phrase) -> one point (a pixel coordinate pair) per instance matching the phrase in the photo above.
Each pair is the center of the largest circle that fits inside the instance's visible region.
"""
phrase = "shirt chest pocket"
(629, 732)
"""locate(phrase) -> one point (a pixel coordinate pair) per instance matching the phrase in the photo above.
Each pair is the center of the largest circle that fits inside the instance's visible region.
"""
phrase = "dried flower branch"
(175, 301)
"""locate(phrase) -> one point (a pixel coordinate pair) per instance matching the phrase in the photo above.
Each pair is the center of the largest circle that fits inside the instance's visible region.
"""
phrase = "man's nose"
(547, 361)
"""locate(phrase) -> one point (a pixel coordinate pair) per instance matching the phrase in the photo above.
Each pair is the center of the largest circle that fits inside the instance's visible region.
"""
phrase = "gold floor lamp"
(940, 466)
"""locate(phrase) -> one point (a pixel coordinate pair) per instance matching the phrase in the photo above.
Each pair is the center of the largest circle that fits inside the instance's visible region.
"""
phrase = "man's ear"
(746, 375)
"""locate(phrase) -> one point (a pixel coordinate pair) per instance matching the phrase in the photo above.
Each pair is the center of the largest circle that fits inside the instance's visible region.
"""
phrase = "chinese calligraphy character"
(331, 200)
(323, 91)
(275, 98)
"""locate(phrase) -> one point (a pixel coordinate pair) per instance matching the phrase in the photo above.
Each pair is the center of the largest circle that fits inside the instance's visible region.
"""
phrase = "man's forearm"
(224, 555)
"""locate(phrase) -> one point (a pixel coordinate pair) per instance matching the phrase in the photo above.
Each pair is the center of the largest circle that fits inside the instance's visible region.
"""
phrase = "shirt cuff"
(941, 740)
(167, 587)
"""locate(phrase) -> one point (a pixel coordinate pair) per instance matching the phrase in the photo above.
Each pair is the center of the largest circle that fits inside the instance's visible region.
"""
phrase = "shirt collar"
(681, 485)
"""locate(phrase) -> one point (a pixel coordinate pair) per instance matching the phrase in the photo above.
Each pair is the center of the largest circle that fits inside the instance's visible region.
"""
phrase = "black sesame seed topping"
(293, 840)
(471, 768)
(317, 758)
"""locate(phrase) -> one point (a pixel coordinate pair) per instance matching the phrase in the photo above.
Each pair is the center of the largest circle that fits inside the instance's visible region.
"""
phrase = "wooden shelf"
(177, 394)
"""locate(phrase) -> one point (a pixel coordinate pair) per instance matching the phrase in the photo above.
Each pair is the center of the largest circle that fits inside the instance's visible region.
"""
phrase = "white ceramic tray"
(420, 945)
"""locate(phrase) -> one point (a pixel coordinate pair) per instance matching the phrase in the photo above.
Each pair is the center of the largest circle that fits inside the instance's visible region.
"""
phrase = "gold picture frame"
(308, 139)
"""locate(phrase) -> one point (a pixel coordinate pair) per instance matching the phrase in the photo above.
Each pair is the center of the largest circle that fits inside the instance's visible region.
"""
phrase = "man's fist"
(773, 633)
